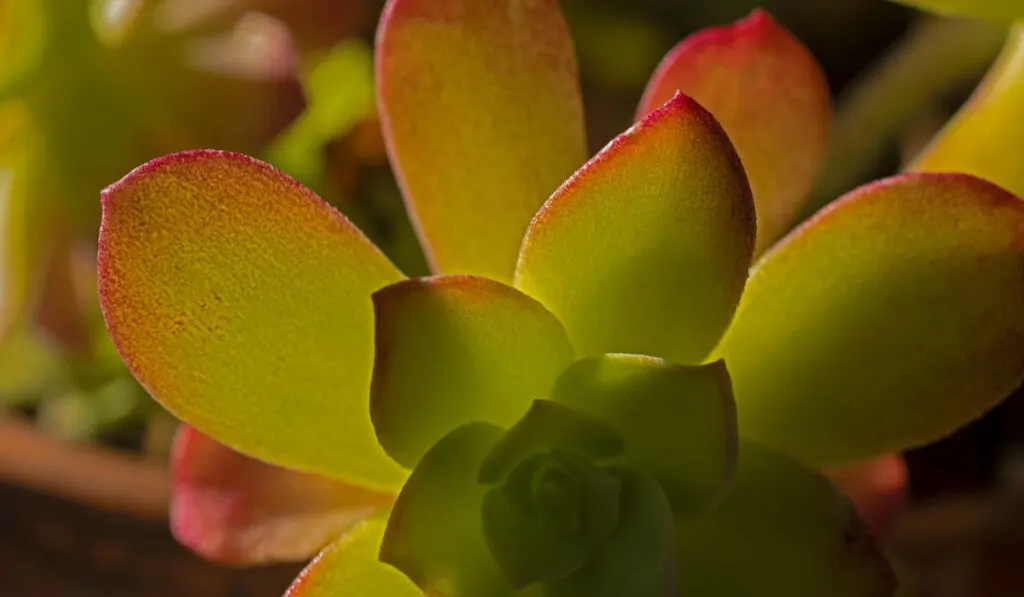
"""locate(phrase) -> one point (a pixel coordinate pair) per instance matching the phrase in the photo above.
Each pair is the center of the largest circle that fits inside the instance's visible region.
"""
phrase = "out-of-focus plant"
(606, 393)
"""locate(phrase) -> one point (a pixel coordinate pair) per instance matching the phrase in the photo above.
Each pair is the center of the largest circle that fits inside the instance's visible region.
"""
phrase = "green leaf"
(639, 558)
(781, 529)
(241, 301)
(1006, 10)
(453, 350)
(889, 320)
(481, 108)
(550, 426)
(678, 423)
(645, 249)
(435, 533)
(982, 139)
(350, 567)
(782, 135)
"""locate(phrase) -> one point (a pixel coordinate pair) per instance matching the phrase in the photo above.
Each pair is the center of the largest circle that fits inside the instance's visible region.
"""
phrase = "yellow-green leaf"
(770, 95)
(645, 250)
(889, 320)
(241, 301)
(781, 529)
(984, 138)
(350, 567)
(453, 350)
(481, 109)
(1006, 10)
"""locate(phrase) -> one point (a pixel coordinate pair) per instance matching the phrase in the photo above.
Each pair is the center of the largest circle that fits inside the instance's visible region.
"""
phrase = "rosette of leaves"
(626, 370)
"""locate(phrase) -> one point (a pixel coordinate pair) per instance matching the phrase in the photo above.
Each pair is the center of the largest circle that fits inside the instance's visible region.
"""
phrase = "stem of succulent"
(936, 58)
(84, 474)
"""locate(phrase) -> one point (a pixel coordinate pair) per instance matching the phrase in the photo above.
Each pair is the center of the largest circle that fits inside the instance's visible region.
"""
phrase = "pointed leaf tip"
(481, 110)
(890, 319)
(646, 248)
(241, 301)
(770, 96)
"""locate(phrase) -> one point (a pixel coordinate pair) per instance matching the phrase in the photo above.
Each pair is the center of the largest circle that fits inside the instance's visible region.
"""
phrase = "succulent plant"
(625, 373)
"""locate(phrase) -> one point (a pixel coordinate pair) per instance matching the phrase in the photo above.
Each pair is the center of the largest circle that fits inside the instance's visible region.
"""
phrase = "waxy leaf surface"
(241, 301)
(1006, 10)
(890, 319)
(435, 534)
(453, 350)
(481, 110)
(645, 250)
(230, 508)
(781, 529)
(984, 138)
(770, 96)
(350, 567)
(678, 423)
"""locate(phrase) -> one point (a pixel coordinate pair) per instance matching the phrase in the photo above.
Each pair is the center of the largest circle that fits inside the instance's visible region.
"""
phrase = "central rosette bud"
(543, 521)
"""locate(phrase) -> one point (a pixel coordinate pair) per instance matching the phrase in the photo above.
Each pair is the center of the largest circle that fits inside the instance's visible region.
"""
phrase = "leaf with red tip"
(984, 136)
(645, 250)
(350, 567)
(770, 96)
(241, 301)
(453, 350)
(889, 320)
(231, 508)
(481, 110)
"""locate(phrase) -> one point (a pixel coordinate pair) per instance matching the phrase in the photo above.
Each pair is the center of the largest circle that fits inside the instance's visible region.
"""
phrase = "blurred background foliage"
(90, 89)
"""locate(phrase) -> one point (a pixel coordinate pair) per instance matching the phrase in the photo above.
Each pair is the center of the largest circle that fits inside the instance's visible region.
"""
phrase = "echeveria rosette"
(264, 318)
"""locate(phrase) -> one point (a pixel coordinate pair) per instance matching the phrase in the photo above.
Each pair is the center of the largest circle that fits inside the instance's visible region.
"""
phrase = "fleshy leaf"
(234, 509)
(1006, 10)
(453, 350)
(783, 527)
(241, 301)
(982, 139)
(638, 559)
(890, 319)
(678, 423)
(435, 533)
(481, 109)
(646, 248)
(350, 567)
(770, 96)
(550, 426)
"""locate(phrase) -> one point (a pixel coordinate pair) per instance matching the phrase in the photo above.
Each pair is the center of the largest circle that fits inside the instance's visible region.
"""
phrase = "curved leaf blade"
(771, 97)
(782, 528)
(350, 567)
(241, 301)
(481, 110)
(645, 249)
(453, 350)
(1004, 10)
(887, 321)
(233, 509)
